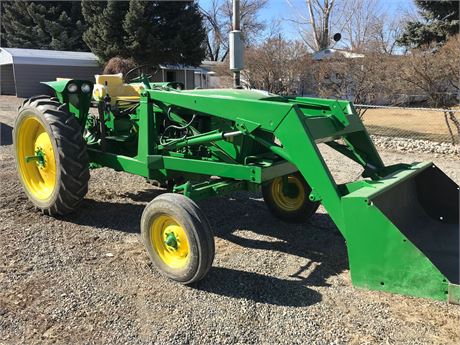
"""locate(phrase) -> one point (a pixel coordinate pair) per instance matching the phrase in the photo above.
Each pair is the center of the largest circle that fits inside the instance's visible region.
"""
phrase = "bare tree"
(451, 52)
(218, 21)
(315, 25)
(214, 26)
(321, 18)
(360, 27)
(320, 21)
(434, 72)
(277, 65)
(368, 28)
(385, 33)
(361, 22)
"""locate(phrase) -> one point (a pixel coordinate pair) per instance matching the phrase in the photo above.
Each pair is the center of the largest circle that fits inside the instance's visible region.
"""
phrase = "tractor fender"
(57, 85)
(78, 102)
(60, 85)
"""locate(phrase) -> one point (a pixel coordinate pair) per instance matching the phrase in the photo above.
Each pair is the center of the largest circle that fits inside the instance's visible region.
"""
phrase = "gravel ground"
(416, 145)
(86, 278)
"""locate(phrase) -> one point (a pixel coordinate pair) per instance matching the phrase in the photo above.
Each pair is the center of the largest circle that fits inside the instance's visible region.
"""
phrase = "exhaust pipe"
(236, 46)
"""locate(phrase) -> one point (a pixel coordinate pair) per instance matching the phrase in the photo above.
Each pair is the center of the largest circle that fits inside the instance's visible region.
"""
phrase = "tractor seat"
(113, 85)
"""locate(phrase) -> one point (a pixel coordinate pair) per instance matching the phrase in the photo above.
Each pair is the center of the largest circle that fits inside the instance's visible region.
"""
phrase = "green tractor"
(400, 222)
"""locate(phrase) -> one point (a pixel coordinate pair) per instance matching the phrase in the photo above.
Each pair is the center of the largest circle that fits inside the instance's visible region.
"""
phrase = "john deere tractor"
(400, 222)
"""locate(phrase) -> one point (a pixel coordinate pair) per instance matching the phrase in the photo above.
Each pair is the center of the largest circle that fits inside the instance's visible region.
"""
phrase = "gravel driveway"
(86, 278)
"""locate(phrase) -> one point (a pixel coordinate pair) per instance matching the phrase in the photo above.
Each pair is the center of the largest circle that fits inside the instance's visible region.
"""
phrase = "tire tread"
(202, 232)
(71, 148)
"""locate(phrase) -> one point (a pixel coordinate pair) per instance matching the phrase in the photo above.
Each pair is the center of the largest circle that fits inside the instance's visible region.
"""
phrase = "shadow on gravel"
(117, 216)
(146, 195)
(258, 288)
(318, 240)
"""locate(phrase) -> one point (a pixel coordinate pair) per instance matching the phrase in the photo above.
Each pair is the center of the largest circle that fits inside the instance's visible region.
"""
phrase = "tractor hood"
(237, 94)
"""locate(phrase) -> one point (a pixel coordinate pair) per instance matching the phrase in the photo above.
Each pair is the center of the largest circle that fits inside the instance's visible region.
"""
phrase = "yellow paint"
(286, 202)
(40, 181)
(159, 230)
(117, 90)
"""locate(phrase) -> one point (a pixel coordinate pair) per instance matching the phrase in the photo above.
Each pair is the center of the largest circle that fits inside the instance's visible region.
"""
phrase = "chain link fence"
(430, 124)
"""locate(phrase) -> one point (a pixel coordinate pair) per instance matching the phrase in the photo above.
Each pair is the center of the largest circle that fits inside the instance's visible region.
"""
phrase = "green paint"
(180, 135)
(454, 293)
(171, 240)
(39, 158)
(78, 103)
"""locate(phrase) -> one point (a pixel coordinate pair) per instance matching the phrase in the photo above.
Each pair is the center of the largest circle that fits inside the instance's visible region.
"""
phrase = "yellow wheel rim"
(170, 241)
(35, 156)
(291, 202)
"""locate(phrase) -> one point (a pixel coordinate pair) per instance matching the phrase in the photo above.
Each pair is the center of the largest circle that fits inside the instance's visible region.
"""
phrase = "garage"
(22, 70)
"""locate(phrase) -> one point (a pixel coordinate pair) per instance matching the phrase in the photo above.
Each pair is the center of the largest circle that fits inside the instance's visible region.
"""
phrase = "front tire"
(178, 238)
(51, 156)
(287, 198)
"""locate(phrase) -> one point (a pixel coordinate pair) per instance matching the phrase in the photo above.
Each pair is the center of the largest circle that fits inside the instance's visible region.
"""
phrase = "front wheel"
(178, 238)
(287, 198)
(51, 156)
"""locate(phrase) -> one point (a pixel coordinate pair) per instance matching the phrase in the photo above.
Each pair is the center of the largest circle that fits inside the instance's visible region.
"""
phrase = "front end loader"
(400, 222)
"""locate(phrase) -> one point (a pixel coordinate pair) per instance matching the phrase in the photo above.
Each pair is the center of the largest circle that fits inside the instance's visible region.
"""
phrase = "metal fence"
(431, 124)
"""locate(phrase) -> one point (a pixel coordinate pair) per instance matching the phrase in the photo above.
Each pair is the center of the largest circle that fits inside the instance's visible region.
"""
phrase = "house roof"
(330, 52)
(183, 67)
(20, 56)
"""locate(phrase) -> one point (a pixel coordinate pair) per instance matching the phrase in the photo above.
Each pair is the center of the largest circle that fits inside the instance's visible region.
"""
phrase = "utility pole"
(236, 46)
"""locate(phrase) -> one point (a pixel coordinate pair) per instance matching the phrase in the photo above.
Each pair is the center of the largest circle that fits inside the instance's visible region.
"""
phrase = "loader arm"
(398, 240)
(384, 252)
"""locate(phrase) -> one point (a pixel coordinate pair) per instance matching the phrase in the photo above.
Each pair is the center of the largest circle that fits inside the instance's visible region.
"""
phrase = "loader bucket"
(402, 234)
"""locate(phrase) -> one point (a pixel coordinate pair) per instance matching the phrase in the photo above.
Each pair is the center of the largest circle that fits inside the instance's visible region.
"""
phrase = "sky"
(280, 9)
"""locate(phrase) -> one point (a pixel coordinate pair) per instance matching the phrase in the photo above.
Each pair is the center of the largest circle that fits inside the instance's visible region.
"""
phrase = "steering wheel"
(140, 77)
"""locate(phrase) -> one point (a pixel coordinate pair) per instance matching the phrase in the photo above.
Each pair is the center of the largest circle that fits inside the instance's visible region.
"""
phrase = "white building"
(22, 70)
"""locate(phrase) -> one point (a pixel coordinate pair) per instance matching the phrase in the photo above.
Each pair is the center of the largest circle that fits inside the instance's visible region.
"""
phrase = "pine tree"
(141, 32)
(181, 32)
(149, 32)
(440, 21)
(104, 34)
(56, 25)
(3, 42)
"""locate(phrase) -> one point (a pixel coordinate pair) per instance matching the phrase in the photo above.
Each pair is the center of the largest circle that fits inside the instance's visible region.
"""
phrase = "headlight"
(85, 88)
(72, 87)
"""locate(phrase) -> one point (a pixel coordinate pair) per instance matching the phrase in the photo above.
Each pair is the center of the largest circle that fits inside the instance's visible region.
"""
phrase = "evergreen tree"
(182, 32)
(440, 21)
(56, 25)
(104, 34)
(3, 42)
(150, 32)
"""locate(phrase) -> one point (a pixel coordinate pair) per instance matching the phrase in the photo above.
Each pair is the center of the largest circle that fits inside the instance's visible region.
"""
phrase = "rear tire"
(56, 172)
(295, 207)
(178, 238)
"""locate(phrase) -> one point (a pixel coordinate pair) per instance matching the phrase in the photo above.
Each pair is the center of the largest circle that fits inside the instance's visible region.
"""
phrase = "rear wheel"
(287, 198)
(51, 156)
(178, 238)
